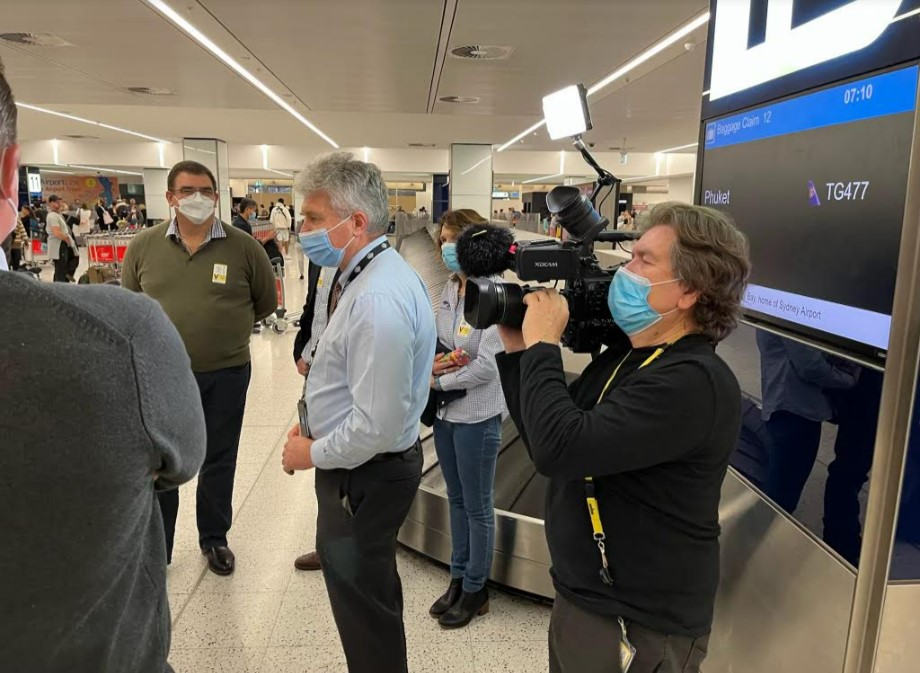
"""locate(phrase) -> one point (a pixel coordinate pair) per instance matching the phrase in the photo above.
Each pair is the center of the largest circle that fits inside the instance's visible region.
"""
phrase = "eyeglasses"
(190, 191)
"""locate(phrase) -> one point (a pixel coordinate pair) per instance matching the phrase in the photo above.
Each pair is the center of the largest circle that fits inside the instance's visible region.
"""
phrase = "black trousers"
(60, 270)
(360, 512)
(794, 442)
(15, 258)
(223, 397)
(585, 642)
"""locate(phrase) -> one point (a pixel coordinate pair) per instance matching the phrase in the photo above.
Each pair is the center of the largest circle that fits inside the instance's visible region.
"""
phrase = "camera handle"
(604, 177)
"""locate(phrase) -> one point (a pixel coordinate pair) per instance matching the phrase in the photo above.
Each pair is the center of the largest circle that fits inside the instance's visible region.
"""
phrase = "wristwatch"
(437, 383)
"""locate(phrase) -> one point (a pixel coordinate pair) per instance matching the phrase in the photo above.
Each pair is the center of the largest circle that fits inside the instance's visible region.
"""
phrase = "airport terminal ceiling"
(373, 76)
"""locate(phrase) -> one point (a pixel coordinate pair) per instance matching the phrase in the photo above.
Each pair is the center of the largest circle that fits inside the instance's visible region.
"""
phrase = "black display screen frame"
(829, 342)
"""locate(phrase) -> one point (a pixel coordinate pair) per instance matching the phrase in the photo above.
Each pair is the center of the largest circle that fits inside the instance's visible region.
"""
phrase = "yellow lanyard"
(590, 497)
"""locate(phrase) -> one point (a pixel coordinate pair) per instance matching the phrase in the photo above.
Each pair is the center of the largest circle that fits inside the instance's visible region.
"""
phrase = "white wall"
(681, 189)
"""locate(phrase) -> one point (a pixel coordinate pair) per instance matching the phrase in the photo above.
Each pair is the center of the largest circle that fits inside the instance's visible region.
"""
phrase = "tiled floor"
(268, 617)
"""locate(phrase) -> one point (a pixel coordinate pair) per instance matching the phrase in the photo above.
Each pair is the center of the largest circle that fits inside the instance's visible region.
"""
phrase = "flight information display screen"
(818, 183)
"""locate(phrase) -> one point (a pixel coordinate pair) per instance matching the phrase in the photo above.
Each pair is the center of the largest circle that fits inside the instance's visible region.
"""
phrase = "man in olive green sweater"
(213, 281)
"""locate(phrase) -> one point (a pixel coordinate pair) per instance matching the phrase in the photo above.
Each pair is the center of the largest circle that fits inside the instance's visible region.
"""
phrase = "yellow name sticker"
(220, 274)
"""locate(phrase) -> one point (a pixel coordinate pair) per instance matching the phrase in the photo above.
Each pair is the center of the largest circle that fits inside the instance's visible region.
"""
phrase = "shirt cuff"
(318, 453)
(447, 382)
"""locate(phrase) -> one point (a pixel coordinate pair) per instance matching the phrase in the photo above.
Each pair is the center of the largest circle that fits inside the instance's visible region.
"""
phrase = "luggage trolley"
(38, 249)
(277, 320)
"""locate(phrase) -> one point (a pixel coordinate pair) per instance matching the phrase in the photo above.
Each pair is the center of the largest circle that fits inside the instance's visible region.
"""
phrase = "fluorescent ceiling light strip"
(103, 170)
(675, 149)
(906, 15)
(198, 149)
(205, 42)
(652, 51)
(477, 164)
(83, 120)
(533, 128)
(272, 170)
(542, 177)
(48, 170)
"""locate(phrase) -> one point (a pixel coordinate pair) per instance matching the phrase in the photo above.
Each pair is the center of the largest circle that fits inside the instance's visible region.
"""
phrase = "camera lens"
(574, 212)
(488, 303)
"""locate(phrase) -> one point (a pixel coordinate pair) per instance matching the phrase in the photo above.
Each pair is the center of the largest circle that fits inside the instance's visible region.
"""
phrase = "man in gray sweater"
(82, 551)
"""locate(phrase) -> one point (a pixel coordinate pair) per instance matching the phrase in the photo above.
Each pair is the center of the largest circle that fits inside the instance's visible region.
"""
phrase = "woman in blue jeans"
(467, 435)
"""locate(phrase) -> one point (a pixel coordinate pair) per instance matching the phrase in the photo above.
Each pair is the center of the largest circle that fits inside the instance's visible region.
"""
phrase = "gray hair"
(351, 185)
(711, 257)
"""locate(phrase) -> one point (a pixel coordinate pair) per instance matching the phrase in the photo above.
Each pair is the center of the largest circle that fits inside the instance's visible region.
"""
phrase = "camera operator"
(636, 448)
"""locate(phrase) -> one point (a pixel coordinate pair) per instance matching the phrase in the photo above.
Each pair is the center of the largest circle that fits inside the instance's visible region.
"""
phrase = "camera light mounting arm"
(604, 177)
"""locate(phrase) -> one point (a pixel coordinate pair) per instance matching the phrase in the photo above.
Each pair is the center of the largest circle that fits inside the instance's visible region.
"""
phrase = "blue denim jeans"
(467, 454)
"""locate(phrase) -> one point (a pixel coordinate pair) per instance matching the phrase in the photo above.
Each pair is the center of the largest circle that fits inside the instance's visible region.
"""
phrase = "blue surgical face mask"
(252, 216)
(449, 255)
(319, 249)
(627, 299)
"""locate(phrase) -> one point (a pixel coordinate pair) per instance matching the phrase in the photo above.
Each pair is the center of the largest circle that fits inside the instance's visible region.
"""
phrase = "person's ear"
(361, 222)
(688, 300)
(9, 173)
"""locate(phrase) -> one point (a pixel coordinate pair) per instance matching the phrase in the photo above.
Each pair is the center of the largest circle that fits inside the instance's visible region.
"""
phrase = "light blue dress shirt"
(369, 380)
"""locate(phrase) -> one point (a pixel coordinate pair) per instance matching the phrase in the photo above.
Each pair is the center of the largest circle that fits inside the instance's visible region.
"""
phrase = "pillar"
(213, 153)
(155, 194)
(471, 178)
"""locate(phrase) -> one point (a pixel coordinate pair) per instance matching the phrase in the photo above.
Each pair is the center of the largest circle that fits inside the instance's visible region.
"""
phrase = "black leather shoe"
(308, 561)
(469, 605)
(450, 597)
(220, 560)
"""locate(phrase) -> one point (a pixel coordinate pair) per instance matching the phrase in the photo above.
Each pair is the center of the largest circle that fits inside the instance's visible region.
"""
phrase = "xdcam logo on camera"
(852, 26)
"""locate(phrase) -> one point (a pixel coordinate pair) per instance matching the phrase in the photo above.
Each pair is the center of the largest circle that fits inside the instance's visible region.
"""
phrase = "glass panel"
(808, 432)
(905, 559)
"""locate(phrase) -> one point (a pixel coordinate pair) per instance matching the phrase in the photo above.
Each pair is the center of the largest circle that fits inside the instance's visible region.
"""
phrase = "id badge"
(627, 651)
(220, 274)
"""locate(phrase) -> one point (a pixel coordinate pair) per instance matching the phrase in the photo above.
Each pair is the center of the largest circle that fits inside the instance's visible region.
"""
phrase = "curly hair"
(711, 256)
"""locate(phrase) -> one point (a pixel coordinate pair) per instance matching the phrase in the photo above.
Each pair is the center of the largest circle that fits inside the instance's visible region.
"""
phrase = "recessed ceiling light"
(482, 52)
(35, 39)
(463, 100)
(151, 91)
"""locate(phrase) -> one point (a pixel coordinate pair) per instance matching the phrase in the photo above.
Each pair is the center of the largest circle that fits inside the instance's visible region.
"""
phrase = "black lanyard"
(365, 261)
(336, 297)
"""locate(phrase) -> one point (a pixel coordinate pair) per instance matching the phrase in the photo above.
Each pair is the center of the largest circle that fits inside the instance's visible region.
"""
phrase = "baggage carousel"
(521, 559)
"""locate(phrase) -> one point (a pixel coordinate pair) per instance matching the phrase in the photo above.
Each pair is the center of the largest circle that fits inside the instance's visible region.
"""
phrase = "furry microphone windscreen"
(484, 250)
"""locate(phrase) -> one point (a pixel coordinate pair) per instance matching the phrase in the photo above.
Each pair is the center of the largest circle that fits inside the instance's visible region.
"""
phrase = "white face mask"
(197, 208)
(7, 228)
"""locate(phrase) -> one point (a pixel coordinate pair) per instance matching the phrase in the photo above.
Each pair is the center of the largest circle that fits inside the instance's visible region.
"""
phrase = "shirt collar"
(3, 264)
(217, 231)
(346, 272)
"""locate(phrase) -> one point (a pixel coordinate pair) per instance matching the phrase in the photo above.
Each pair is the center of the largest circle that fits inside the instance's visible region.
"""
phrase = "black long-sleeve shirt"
(658, 447)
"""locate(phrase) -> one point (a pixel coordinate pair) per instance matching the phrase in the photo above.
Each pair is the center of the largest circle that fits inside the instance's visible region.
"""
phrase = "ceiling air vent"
(79, 136)
(422, 145)
(463, 100)
(151, 91)
(35, 39)
(482, 52)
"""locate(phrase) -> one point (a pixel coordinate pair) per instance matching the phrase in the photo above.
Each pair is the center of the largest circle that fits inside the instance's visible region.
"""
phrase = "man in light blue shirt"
(367, 388)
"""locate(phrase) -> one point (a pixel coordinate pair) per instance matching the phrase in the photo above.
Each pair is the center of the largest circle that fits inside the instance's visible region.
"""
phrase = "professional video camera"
(572, 260)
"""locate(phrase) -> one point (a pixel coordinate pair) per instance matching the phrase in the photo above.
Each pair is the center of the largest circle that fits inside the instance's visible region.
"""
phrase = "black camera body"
(573, 261)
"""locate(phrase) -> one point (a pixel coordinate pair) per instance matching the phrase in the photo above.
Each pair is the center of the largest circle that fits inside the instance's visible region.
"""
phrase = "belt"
(397, 455)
